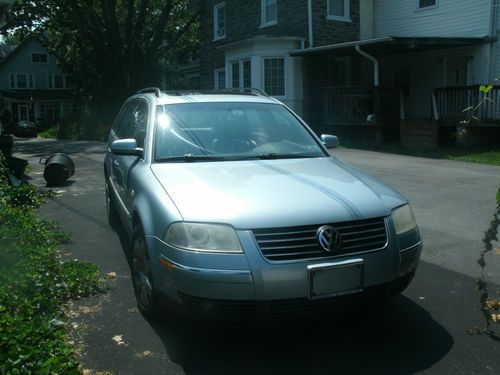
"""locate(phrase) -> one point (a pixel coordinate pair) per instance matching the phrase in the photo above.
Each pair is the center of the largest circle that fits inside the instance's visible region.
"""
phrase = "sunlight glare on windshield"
(163, 121)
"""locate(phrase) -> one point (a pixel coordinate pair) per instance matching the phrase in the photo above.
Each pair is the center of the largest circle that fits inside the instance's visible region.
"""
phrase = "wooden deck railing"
(452, 103)
(352, 105)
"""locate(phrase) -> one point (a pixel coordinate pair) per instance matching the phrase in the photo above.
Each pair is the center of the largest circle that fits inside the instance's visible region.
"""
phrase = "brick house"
(248, 43)
(368, 70)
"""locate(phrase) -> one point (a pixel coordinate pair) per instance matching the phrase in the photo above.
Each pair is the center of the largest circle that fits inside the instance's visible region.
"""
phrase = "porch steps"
(419, 133)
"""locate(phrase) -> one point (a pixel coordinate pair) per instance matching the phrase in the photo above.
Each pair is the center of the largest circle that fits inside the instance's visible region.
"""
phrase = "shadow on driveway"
(400, 337)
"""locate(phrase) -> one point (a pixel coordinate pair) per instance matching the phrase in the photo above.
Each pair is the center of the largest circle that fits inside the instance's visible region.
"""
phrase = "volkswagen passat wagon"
(236, 208)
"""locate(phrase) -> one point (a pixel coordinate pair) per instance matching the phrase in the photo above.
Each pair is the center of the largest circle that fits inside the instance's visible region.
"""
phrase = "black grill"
(290, 308)
(292, 243)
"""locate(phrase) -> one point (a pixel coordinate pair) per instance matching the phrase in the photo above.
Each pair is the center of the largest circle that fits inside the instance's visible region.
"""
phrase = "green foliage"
(490, 306)
(34, 282)
(480, 156)
(110, 48)
(83, 127)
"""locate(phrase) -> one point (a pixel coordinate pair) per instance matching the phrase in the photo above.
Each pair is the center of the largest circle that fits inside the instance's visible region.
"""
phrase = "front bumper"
(249, 282)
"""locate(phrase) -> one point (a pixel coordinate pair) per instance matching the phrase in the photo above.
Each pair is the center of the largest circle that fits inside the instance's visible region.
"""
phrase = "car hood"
(275, 193)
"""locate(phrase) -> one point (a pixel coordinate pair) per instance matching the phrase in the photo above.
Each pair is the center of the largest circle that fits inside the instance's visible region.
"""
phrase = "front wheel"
(142, 277)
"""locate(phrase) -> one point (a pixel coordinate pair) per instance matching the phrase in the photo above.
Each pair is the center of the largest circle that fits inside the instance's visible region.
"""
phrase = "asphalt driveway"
(424, 330)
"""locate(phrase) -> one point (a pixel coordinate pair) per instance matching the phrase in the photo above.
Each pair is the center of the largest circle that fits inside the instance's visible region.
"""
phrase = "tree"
(108, 48)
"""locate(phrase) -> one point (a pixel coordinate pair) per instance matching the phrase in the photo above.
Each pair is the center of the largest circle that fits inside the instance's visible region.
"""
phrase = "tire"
(142, 277)
(111, 209)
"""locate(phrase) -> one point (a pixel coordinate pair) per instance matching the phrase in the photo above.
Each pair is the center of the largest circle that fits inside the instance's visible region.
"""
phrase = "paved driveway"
(453, 202)
(424, 330)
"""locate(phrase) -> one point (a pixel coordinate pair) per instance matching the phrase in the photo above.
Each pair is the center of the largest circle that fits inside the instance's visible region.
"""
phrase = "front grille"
(292, 243)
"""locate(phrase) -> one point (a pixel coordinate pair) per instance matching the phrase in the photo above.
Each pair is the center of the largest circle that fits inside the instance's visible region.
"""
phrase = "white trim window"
(274, 76)
(21, 81)
(39, 58)
(241, 74)
(57, 82)
(338, 10)
(426, 4)
(50, 111)
(269, 12)
(219, 21)
(235, 75)
(220, 79)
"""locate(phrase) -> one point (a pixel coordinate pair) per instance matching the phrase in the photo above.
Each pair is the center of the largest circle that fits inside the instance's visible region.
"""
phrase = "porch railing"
(352, 105)
(452, 104)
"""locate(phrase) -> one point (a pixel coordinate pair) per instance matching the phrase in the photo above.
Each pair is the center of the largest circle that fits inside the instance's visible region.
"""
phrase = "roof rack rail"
(149, 90)
(257, 91)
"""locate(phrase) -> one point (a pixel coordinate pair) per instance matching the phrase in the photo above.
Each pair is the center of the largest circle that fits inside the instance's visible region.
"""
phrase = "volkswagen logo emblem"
(329, 238)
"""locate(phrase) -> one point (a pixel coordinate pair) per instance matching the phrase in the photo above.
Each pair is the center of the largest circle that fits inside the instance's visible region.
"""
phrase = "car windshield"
(230, 131)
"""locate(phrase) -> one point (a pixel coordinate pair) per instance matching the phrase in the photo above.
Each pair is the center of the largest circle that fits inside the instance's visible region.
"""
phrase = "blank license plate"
(335, 279)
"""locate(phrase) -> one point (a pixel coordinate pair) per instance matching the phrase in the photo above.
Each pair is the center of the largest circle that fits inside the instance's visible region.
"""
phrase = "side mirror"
(126, 147)
(329, 141)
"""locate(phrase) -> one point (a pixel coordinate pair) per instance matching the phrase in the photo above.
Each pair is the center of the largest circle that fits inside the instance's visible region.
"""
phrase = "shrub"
(34, 283)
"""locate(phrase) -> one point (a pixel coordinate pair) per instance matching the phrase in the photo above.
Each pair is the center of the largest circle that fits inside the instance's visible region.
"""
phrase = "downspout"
(375, 64)
(494, 36)
(310, 24)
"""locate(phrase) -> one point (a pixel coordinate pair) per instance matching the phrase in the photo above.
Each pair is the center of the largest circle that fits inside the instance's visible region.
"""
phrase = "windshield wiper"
(190, 158)
(274, 155)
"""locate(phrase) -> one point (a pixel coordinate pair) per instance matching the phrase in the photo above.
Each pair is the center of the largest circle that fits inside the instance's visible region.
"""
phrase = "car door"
(133, 125)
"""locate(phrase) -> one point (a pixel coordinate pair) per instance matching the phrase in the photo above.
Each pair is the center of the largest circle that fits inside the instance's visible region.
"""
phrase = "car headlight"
(403, 219)
(215, 238)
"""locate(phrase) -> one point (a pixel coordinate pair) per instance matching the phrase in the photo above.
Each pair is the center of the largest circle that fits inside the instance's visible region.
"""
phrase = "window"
(274, 76)
(338, 10)
(235, 75)
(57, 81)
(219, 21)
(426, 4)
(21, 81)
(241, 74)
(39, 58)
(220, 79)
(269, 12)
(50, 111)
(247, 74)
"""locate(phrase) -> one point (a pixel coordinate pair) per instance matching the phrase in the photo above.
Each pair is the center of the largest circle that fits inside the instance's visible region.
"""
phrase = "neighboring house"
(371, 70)
(32, 86)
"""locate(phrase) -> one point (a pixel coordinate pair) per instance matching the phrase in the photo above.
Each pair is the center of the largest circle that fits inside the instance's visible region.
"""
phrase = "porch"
(362, 114)
(372, 115)
(474, 107)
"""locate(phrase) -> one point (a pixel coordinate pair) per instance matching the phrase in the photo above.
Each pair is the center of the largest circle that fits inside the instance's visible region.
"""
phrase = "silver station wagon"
(236, 209)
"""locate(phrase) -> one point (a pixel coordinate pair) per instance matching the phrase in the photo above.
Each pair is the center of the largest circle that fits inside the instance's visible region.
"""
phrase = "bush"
(34, 283)
(85, 126)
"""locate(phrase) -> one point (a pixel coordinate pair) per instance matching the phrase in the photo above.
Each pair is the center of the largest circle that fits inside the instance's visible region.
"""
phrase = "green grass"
(491, 157)
(34, 284)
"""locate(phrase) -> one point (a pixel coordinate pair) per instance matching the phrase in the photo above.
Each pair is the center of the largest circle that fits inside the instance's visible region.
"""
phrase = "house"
(368, 70)
(32, 86)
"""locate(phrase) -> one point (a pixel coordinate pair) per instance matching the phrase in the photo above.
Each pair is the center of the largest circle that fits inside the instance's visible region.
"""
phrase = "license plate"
(335, 279)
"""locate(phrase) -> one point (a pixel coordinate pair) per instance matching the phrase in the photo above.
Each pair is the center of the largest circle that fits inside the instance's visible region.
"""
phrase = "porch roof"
(392, 45)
